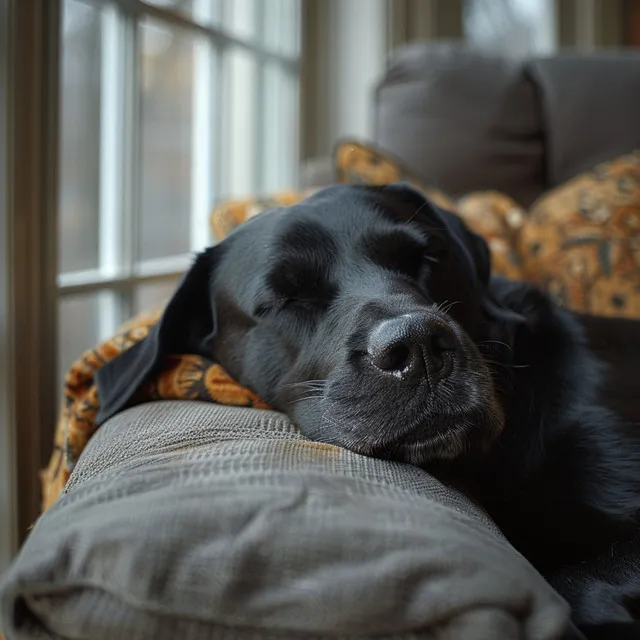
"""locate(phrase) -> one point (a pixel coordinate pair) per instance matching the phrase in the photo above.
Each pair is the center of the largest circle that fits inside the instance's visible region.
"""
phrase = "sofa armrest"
(187, 519)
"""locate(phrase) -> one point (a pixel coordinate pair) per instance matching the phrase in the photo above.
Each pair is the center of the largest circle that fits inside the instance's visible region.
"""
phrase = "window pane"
(280, 129)
(167, 70)
(281, 26)
(240, 118)
(78, 241)
(149, 295)
(240, 17)
(206, 11)
(83, 321)
(513, 27)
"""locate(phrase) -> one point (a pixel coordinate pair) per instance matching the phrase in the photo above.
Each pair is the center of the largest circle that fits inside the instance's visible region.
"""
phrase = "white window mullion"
(202, 132)
(258, 123)
(217, 140)
(130, 165)
(111, 144)
(111, 222)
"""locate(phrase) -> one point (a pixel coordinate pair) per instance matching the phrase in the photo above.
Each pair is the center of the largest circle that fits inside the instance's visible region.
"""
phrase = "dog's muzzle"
(412, 347)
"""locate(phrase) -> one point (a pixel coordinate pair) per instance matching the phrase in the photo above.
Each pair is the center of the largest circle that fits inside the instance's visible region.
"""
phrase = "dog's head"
(361, 312)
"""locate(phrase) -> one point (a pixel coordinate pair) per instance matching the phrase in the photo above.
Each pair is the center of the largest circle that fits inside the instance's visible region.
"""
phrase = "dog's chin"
(415, 426)
(438, 441)
(431, 439)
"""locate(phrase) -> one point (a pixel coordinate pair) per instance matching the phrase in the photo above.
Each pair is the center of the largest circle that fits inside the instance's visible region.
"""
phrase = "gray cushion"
(462, 120)
(465, 119)
(190, 520)
(591, 105)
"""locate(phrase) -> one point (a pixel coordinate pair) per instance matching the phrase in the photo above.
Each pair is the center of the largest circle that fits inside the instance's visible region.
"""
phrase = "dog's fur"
(291, 304)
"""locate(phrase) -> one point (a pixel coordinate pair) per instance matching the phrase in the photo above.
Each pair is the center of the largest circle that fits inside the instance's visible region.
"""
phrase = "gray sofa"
(190, 520)
(198, 521)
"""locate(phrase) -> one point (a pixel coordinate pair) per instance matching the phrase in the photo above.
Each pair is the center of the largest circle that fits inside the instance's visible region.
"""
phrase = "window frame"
(120, 270)
(30, 287)
(30, 251)
(8, 503)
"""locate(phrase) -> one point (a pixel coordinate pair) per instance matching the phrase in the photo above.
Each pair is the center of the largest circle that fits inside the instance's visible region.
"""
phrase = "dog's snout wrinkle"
(413, 346)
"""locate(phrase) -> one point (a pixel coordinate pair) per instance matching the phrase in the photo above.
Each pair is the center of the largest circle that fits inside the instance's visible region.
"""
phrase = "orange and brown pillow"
(581, 241)
(182, 377)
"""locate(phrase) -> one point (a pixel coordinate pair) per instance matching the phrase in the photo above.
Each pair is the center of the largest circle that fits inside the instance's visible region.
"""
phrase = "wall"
(7, 444)
(345, 53)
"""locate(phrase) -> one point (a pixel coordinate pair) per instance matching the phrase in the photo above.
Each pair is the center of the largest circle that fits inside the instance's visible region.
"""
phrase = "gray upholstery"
(190, 520)
(591, 107)
(459, 119)
(464, 120)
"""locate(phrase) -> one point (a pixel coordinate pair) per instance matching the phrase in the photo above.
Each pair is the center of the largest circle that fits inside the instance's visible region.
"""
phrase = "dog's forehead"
(337, 216)
(331, 221)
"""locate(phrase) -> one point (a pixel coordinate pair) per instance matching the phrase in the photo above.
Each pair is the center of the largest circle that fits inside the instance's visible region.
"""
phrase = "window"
(166, 107)
(514, 27)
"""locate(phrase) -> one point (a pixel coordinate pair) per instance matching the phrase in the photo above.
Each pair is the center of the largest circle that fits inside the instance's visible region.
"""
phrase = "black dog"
(370, 317)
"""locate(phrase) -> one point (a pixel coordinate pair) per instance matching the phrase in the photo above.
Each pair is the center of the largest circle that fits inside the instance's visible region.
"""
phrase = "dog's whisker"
(313, 385)
(446, 306)
(417, 211)
(450, 306)
(507, 366)
(304, 398)
(504, 344)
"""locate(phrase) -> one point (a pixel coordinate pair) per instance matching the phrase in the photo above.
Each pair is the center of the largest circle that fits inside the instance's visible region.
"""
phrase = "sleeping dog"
(370, 317)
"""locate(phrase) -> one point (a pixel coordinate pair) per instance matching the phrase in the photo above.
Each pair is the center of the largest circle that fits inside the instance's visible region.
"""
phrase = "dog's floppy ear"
(471, 248)
(470, 245)
(411, 205)
(476, 250)
(505, 319)
(188, 325)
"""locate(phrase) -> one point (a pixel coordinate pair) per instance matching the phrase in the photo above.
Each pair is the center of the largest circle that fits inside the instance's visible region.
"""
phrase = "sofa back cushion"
(465, 120)
(462, 120)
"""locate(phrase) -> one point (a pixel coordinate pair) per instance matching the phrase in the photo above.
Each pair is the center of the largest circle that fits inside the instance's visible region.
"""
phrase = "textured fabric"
(191, 520)
(499, 220)
(590, 105)
(182, 376)
(493, 215)
(464, 120)
(581, 241)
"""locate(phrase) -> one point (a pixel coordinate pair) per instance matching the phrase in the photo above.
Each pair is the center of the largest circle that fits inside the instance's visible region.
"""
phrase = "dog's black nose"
(413, 345)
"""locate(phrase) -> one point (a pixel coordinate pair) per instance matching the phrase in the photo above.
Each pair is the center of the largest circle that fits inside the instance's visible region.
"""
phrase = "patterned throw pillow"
(499, 220)
(581, 241)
